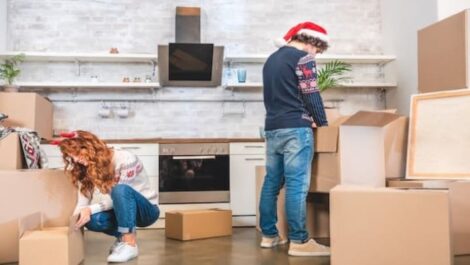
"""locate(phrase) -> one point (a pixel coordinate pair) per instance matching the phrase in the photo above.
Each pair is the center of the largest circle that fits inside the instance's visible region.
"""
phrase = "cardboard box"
(28, 110)
(28, 191)
(371, 226)
(438, 125)
(460, 216)
(282, 227)
(373, 148)
(318, 215)
(198, 224)
(37, 243)
(11, 155)
(443, 54)
(326, 162)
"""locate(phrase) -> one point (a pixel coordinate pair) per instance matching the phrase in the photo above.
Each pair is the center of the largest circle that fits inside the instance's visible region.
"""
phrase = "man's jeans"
(289, 159)
(130, 209)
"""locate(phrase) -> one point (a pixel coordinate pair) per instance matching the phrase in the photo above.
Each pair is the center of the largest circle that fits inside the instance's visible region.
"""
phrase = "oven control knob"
(172, 150)
(201, 150)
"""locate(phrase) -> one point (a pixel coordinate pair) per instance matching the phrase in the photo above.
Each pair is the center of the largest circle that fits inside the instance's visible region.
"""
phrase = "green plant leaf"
(9, 68)
(331, 74)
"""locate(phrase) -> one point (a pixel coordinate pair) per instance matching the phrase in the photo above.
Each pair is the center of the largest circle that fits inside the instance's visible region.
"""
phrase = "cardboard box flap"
(29, 223)
(326, 138)
(371, 118)
(196, 211)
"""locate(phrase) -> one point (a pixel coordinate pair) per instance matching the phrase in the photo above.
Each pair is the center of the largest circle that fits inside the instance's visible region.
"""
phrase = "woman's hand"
(85, 214)
(314, 125)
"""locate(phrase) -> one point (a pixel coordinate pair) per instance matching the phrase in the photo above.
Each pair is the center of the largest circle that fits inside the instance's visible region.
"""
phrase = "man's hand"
(314, 125)
(84, 218)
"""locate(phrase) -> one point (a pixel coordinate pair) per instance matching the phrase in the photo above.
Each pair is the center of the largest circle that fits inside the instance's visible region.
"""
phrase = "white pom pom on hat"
(307, 28)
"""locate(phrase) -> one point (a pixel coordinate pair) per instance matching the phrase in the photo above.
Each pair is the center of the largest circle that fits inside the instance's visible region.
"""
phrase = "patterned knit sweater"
(291, 96)
(129, 171)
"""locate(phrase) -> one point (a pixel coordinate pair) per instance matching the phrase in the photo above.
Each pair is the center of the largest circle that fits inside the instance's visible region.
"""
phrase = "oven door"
(194, 179)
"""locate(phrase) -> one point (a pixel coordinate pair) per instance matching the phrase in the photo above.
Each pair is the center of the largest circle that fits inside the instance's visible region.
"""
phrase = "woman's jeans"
(130, 210)
(289, 156)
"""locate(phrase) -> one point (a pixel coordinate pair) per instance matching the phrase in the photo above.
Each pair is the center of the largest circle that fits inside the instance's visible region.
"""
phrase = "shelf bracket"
(154, 68)
(79, 65)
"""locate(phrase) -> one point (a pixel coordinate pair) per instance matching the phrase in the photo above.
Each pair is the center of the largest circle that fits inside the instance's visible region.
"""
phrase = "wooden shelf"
(147, 57)
(83, 57)
(86, 85)
(358, 85)
(321, 58)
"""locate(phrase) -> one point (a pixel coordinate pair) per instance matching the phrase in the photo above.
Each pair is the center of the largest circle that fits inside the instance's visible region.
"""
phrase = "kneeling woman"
(117, 177)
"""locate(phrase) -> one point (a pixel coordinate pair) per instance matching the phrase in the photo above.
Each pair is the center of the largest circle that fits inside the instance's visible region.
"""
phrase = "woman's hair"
(303, 38)
(98, 173)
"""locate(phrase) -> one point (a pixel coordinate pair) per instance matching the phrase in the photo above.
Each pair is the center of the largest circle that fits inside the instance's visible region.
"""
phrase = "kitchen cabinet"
(244, 157)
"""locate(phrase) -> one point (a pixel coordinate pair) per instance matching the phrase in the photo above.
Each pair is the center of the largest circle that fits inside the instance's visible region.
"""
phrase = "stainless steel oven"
(194, 173)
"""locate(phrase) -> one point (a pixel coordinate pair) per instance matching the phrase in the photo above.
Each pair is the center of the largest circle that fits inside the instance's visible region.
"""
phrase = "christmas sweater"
(129, 171)
(291, 96)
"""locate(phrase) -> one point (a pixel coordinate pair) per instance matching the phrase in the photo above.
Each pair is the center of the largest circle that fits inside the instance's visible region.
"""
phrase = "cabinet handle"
(254, 146)
(254, 159)
(130, 147)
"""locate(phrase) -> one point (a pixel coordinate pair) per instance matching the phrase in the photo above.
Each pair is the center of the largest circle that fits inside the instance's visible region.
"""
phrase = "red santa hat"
(308, 28)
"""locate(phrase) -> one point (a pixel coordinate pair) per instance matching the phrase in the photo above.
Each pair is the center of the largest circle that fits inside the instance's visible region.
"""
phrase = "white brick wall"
(138, 26)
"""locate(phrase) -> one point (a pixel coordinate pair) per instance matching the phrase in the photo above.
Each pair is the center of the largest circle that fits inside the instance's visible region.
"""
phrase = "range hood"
(188, 62)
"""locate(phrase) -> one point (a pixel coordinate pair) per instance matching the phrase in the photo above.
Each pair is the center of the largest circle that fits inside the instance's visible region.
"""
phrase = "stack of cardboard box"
(24, 192)
(416, 225)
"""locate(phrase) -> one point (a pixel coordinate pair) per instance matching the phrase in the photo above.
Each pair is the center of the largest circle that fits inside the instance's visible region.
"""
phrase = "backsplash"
(243, 27)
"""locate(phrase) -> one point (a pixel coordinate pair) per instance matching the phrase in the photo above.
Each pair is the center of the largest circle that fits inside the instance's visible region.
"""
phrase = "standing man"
(293, 107)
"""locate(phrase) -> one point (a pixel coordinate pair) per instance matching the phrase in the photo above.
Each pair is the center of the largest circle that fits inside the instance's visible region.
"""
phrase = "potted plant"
(9, 70)
(331, 74)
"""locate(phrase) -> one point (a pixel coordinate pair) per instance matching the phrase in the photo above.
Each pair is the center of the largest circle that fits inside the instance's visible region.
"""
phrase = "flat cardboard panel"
(198, 224)
(47, 191)
(28, 110)
(10, 153)
(371, 119)
(371, 226)
(438, 148)
(443, 54)
(395, 148)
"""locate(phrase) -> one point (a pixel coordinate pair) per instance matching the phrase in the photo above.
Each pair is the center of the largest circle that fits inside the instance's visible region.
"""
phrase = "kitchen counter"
(180, 140)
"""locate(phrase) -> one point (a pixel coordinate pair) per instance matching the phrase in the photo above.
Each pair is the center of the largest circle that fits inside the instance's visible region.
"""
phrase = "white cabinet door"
(243, 183)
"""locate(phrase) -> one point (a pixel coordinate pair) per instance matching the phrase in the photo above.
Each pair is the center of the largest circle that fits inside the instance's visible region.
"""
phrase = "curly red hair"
(99, 171)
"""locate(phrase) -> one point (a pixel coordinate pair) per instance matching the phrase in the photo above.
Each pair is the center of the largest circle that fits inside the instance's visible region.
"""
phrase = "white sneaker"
(309, 248)
(114, 245)
(123, 253)
(270, 242)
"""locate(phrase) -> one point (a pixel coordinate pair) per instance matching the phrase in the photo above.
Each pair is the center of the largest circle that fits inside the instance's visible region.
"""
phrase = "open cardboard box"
(11, 155)
(198, 224)
(41, 245)
(29, 110)
(29, 191)
(326, 162)
(373, 148)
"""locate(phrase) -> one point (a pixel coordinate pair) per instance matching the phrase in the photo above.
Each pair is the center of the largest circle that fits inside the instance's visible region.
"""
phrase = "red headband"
(67, 135)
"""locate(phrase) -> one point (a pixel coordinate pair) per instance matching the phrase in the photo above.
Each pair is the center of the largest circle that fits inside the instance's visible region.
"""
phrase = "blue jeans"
(130, 210)
(289, 155)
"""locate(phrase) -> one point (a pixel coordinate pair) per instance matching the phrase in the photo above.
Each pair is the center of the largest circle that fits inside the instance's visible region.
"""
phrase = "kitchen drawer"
(139, 149)
(247, 148)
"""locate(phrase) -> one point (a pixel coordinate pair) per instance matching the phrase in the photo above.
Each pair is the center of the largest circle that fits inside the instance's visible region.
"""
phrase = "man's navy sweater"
(291, 96)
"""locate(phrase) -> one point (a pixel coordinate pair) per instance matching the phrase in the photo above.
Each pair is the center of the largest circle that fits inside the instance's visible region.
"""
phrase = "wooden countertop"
(179, 140)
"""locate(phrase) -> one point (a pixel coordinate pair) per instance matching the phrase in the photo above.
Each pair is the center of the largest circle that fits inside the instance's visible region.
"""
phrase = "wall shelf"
(148, 57)
(84, 57)
(87, 85)
(382, 85)
(321, 58)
